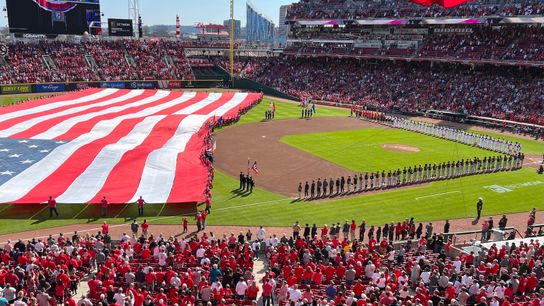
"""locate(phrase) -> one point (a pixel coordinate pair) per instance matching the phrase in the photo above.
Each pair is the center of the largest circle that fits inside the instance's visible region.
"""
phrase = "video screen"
(120, 27)
(54, 16)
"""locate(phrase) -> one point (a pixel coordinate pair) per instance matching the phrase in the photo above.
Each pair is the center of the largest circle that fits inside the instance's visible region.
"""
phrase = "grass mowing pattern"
(269, 209)
(361, 150)
(442, 200)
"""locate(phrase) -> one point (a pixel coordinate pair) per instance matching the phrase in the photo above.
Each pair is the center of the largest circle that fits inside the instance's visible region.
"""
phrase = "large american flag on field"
(117, 143)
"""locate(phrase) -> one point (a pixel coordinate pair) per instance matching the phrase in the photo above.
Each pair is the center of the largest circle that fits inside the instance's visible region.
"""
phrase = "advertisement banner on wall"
(16, 89)
(141, 85)
(172, 84)
(50, 87)
(118, 85)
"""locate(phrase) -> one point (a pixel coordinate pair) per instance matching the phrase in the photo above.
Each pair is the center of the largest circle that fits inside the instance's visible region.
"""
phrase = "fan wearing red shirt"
(358, 289)
(203, 216)
(59, 291)
(218, 294)
(531, 283)
(324, 231)
(267, 292)
(145, 228)
(352, 228)
(450, 292)
(140, 203)
(52, 207)
(70, 301)
(105, 228)
(104, 206)
(252, 291)
(150, 279)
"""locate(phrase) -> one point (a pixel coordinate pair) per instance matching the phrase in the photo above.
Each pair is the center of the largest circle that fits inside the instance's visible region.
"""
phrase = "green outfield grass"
(8, 100)
(361, 150)
(286, 110)
(435, 201)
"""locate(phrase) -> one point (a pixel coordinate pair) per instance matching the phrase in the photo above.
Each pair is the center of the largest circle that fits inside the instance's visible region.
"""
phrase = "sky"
(190, 11)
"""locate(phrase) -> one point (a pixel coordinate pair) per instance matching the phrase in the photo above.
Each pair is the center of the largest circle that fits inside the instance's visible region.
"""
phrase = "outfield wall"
(10, 89)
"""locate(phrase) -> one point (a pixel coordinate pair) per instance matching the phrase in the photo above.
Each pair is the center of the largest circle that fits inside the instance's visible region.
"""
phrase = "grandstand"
(180, 184)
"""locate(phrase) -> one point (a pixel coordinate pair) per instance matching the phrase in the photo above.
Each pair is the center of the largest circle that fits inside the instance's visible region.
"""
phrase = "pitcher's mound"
(401, 148)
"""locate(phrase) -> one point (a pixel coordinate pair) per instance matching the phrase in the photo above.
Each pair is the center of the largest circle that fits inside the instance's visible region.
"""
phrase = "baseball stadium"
(343, 152)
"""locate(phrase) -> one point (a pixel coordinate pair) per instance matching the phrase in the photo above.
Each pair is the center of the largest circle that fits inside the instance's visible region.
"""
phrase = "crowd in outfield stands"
(358, 9)
(498, 92)
(345, 264)
(479, 43)
(95, 61)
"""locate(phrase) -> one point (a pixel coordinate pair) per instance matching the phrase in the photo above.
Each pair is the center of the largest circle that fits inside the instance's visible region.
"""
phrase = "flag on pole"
(254, 167)
(178, 27)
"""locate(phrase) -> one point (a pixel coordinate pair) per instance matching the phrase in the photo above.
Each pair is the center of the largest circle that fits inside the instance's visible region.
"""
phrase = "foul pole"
(232, 41)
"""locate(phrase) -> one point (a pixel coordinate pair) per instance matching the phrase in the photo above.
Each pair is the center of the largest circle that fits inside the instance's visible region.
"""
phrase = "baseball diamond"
(272, 153)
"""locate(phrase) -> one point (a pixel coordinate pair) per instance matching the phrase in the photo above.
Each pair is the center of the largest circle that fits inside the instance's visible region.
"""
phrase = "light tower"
(134, 13)
(232, 41)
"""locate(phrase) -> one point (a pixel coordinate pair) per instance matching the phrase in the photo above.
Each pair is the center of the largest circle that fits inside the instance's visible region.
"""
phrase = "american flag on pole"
(254, 167)
(118, 143)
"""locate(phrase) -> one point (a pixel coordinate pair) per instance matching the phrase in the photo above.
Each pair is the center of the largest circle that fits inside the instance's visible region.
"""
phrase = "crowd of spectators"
(358, 9)
(480, 43)
(354, 263)
(94, 61)
(498, 92)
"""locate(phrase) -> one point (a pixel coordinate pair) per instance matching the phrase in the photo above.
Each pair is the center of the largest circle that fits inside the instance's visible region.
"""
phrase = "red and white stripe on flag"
(117, 143)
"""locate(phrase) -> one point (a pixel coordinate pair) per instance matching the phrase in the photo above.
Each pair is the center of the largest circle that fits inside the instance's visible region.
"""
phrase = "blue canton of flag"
(16, 155)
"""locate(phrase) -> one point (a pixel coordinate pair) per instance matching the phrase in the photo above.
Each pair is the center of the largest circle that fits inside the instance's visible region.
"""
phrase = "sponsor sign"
(118, 85)
(141, 85)
(175, 84)
(15, 89)
(50, 87)
(120, 27)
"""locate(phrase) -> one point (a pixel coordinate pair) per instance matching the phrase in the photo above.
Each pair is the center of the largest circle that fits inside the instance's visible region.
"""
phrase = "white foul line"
(437, 194)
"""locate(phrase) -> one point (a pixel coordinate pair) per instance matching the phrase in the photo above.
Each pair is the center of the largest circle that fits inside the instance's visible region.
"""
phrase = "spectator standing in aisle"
(145, 228)
(134, 227)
